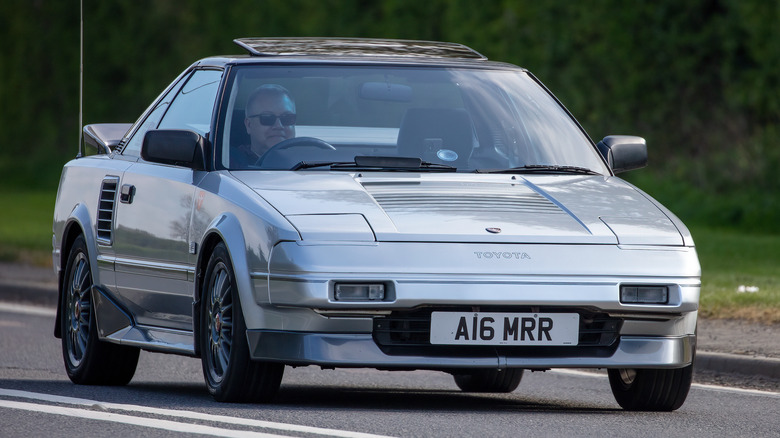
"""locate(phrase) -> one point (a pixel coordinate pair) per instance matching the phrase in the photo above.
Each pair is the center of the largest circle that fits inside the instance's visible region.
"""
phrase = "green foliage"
(698, 78)
(738, 206)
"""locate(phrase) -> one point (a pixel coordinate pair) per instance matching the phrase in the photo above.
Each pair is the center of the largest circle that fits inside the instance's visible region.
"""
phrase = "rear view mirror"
(386, 91)
(623, 152)
(176, 147)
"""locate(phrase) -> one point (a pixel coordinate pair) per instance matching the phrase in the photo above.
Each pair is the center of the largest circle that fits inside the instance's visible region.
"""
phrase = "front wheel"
(489, 380)
(651, 389)
(230, 374)
(88, 361)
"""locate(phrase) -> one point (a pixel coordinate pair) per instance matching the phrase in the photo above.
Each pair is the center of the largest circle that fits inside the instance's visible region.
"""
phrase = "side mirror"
(623, 152)
(176, 147)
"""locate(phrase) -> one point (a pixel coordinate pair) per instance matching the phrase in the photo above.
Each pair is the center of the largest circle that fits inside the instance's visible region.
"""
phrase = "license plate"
(494, 328)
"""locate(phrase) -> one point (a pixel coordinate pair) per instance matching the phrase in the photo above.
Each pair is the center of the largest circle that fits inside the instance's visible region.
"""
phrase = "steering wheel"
(292, 143)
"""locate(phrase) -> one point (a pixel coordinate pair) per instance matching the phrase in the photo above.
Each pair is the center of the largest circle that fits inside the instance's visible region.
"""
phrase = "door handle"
(127, 194)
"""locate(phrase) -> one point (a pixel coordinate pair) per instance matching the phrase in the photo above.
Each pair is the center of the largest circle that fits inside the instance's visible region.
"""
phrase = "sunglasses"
(270, 119)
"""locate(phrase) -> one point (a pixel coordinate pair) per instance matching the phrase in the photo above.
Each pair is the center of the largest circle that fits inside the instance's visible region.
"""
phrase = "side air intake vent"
(105, 214)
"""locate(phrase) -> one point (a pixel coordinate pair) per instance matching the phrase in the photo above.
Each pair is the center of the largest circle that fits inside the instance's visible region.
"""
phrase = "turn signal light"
(644, 294)
(359, 292)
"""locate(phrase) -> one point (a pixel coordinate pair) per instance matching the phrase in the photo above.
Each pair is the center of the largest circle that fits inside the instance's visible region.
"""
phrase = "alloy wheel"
(78, 310)
(220, 322)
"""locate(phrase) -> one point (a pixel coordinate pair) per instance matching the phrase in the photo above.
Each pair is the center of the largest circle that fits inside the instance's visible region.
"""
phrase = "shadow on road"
(433, 400)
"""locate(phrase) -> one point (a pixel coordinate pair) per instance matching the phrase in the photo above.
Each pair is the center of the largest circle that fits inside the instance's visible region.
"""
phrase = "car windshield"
(317, 118)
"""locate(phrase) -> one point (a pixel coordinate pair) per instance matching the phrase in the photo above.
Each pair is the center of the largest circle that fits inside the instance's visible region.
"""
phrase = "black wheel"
(489, 380)
(650, 389)
(88, 361)
(230, 374)
(293, 143)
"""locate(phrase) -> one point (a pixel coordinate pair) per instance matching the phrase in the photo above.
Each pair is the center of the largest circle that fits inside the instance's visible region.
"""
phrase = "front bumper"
(360, 350)
(298, 320)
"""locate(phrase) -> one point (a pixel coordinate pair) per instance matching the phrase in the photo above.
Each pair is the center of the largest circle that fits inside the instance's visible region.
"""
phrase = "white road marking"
(27, 309)
(694, 385)
(45, 311)
(578, 373)
(737, 390)
(135, 421)
(94, 404)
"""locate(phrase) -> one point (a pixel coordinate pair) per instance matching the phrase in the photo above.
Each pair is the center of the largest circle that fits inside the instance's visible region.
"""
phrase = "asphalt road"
(167, 397)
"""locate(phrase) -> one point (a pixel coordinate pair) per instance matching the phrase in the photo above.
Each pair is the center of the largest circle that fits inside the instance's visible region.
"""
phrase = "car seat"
(437, 135)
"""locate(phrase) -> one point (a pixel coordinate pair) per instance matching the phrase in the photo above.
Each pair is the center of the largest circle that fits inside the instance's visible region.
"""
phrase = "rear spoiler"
(105, 136)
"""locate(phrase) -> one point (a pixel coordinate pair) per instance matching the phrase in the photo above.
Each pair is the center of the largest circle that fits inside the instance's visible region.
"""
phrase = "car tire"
(230, 374)
(489, 380)
(650, 389)
(88, 361)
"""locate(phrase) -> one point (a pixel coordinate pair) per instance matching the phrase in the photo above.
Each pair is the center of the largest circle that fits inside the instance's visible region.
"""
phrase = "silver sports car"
(369, 203)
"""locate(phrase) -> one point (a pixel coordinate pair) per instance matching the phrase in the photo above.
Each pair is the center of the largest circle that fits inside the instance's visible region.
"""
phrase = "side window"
(134, 145)
(192, 107)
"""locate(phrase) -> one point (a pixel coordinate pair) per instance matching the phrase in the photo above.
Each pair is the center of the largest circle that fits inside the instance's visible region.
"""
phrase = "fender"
(228, 229)
(79, 217)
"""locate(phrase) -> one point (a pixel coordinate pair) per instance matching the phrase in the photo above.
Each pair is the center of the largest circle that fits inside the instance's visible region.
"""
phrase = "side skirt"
(116, 325)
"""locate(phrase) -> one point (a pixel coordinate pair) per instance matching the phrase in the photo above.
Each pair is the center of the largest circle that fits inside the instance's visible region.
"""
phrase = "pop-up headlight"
(644, 294)
(359, 292)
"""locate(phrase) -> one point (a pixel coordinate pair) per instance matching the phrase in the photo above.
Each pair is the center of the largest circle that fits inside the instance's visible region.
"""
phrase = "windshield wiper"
(542, 168)
(368, 163)
(311, 164)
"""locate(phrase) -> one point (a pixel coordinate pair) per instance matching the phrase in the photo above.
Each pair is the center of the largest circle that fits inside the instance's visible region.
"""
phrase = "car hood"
(431, 207)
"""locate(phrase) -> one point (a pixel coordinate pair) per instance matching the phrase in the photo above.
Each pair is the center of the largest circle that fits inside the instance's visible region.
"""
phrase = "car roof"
(361, 50)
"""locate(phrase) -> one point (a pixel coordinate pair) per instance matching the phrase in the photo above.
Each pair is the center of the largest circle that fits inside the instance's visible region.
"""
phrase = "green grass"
(729, 258)
(25, 225)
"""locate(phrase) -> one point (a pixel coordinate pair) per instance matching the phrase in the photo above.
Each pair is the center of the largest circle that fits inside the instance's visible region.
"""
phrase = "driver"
(270, 119)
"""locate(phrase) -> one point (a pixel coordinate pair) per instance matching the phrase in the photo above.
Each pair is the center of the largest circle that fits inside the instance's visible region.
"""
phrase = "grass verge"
(729, 258)
(25, 226)
(740, 274)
